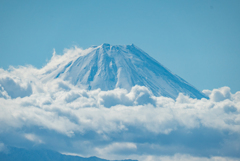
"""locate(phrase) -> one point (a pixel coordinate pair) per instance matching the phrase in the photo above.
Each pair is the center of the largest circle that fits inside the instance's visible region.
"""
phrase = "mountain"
(119, 66)
(20, 154)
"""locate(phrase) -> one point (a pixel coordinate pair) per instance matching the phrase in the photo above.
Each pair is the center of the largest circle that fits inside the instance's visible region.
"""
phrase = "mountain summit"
(120, 66)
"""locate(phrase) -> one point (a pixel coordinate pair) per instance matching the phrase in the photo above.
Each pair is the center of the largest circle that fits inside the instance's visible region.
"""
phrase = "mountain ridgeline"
(20, 154)
(121, 66)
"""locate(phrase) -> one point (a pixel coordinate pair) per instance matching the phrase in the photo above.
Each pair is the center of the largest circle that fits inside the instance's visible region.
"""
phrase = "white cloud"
(122, 147)
(116, 121)
(184, 157)
(33, 138)
(220, 94)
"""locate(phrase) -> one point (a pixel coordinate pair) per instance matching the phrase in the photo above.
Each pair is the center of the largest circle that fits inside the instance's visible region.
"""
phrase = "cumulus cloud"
(14, 87)
(116, 123)
(218, 95)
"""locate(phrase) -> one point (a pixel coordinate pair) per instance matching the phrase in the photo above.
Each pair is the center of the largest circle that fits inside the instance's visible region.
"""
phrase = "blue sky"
(198, 40)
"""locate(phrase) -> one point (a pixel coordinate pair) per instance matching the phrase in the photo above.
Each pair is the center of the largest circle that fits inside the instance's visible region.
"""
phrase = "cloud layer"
(116, 124)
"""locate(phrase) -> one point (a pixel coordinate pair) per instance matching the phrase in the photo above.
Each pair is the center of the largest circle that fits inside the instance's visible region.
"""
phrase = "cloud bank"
(116, 124)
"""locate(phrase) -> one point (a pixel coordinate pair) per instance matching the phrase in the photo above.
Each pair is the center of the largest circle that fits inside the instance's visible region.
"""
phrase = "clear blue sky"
(198, 40)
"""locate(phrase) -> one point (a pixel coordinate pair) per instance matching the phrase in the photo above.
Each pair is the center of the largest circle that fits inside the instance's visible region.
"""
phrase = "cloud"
(116, 123)
(218, 95)
(119, 148)
(33, 138)
(14, 88)
(184, 157)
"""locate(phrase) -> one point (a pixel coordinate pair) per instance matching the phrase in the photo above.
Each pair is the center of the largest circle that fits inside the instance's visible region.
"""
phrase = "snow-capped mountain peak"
(118, 66)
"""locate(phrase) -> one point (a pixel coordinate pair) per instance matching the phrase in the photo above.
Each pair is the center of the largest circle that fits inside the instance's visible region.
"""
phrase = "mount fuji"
(119, 66)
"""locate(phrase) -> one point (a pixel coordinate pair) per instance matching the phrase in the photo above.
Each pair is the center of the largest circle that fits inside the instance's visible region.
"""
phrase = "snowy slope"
(118, 66)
